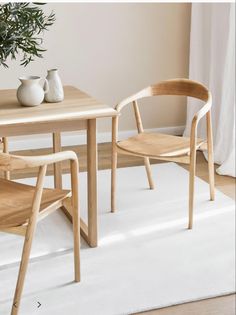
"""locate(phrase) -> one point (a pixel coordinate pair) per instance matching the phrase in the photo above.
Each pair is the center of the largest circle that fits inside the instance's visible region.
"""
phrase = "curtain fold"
(212, 62)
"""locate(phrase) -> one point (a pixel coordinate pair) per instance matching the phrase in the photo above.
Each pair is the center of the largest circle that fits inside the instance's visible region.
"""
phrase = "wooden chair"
(22, 206)
(166, 147)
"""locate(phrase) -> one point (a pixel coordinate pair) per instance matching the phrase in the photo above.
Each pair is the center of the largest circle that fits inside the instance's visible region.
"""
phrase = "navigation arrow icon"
(39, 304)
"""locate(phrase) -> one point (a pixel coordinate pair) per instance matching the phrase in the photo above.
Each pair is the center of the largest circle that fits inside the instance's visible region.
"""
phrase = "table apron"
(42, 127)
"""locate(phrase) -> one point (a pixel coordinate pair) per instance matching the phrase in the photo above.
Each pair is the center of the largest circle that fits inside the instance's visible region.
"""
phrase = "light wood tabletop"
(78, 111)
(77, 105)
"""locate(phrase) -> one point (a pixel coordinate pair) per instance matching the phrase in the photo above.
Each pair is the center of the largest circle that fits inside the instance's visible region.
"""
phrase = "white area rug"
(146, 257)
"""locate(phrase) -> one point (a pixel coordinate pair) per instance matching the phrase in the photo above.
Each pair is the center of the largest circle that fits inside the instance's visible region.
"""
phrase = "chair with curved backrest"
(166, 147)
(22, 206)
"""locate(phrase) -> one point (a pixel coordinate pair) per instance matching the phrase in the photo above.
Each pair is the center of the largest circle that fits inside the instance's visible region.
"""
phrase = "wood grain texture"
(76, 105)
(156, 145)
(16, 202)
(167, 147)
(184, 87)
(92, 182)
(185, 159)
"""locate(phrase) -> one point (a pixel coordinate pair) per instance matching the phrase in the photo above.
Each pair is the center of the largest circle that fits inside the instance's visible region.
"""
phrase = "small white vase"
(55, 93)
(30, 92)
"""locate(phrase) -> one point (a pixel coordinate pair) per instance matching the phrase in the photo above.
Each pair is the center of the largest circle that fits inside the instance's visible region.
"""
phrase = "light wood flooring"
(224, 305)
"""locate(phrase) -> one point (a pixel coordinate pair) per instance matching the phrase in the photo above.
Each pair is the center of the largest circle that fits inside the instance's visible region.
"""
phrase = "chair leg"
(28, 240)
(211, 172)
(76, 217)
(76, 233)
(149, 172)
(192, 172)
(113, 179)
(23, 268)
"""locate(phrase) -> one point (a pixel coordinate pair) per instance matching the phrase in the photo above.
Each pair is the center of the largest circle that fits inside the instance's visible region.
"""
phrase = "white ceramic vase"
(30, 92)
(55, 93)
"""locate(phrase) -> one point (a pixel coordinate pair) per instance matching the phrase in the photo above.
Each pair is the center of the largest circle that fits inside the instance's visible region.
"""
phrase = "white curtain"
(212, 62)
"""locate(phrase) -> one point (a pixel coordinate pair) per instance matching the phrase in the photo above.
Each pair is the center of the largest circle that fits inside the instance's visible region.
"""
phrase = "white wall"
(112, 50)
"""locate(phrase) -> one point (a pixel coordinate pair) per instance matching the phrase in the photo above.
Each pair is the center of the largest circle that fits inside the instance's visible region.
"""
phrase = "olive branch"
(21, 26)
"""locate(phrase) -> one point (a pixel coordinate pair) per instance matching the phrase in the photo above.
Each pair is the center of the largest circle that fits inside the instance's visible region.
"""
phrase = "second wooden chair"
(162, 146)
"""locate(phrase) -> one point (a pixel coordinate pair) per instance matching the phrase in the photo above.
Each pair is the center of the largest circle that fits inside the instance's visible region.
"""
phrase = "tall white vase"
(55, 93)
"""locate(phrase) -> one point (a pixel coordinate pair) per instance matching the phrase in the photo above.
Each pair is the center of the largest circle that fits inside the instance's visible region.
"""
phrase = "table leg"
(88, 231)
(92, 182)
(57, 166)
(6, 150)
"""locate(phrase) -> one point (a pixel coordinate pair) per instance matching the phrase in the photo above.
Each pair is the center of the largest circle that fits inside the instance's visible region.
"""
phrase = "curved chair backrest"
(9, 162)
(182, 87)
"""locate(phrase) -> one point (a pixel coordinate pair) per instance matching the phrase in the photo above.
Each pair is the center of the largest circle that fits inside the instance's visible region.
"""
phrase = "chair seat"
(16, 201)
(157, 145)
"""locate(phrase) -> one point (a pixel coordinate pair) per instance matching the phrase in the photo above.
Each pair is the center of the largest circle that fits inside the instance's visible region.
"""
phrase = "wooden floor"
(224, 305)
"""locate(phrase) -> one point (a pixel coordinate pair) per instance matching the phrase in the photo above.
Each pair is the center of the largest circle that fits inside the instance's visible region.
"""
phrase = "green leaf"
(21, 25)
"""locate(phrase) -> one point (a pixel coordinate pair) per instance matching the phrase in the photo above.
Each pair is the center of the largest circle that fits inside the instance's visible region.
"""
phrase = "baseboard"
(78, 138)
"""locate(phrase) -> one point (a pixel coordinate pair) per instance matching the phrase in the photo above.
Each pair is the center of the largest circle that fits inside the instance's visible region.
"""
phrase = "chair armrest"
(202, 112)
(10, 162)
(197, 117)
(143, 93)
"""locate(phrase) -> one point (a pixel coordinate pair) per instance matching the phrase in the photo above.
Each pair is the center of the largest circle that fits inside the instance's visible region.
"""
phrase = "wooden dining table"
(78, 111)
